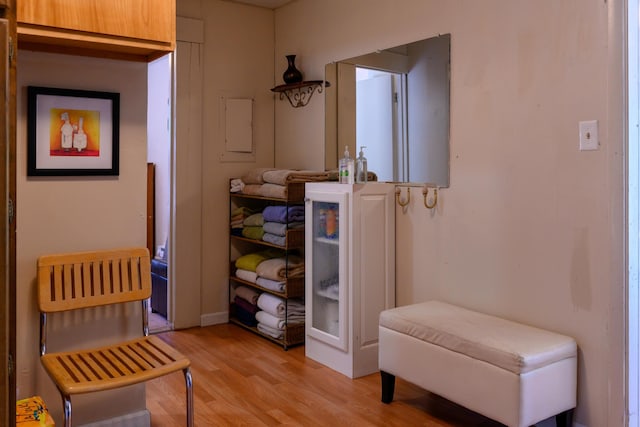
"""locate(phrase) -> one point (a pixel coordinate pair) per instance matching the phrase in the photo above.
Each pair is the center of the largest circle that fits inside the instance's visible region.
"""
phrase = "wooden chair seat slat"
(74, 368)
(98, 370)
(90, 279)
(102, 364)
(132, 360)
(77, 372)
(152, 355)
(88, 367)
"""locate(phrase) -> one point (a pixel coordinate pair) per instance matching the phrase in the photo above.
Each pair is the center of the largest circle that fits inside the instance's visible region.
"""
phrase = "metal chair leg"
(66, 402)
(189, 383)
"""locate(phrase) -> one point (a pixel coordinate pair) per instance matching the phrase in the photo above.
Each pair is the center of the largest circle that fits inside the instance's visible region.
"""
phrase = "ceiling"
(269, 4)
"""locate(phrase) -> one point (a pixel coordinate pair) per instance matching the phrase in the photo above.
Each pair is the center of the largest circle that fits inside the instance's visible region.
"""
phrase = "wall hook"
(425, 192)
(400, 202)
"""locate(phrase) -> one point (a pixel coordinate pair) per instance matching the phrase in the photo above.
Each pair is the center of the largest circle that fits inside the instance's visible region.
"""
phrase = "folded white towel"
(275, 333)
(272, 304)
(236, 185)
(277, 322)
(249, 276)
(270, 320)
(273, 285)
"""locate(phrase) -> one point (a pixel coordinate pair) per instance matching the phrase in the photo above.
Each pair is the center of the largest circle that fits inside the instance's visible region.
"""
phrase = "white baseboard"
(134, 419)
(214, 318)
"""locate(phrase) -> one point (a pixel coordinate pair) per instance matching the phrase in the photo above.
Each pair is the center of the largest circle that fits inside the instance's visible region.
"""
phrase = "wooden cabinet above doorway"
(140, 30)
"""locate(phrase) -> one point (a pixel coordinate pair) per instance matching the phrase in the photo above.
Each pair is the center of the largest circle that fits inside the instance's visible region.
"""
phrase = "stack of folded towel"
(245, 305)
(275, 313)
(281, 268)
(277, 219)
(238, 215)
(270, 268)
(270, 182)
(246, 265)
(252, 227)
(270, 225)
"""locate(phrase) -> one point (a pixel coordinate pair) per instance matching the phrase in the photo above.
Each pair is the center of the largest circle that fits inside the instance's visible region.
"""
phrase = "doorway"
(179, 125)
(159, 140)
(380, 118)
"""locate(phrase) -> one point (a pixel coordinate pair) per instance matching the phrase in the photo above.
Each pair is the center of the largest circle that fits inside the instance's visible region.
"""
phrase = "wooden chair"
(89, 279)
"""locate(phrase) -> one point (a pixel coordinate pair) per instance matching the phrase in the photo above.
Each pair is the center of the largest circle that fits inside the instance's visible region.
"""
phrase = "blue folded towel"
(283, 214)
(275, 239)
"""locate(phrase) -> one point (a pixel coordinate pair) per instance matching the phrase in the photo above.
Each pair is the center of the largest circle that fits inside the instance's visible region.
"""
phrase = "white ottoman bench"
(509, 372)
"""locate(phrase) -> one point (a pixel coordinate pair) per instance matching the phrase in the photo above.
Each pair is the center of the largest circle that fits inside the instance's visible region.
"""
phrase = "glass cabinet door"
(326, 278)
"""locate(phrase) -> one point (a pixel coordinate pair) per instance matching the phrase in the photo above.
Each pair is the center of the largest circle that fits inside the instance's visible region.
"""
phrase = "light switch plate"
(589, 135)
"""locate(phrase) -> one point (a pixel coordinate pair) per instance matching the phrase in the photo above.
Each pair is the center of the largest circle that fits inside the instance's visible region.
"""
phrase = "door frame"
(7, 215)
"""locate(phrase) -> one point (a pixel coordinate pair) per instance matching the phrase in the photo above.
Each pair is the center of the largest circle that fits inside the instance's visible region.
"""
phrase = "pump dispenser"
(361, 167)
(345, 169)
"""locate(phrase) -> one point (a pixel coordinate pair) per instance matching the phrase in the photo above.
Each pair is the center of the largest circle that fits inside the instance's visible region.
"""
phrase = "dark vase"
(292, 74)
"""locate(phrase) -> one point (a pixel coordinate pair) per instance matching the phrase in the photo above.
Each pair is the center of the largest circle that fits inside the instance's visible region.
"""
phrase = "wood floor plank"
(241, 379)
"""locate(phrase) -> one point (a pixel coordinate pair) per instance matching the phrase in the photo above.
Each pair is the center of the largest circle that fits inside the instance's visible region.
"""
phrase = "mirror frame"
(340, 109)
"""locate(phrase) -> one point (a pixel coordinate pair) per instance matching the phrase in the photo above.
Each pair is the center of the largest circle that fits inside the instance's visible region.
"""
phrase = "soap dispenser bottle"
(345, 169)
(361, 167)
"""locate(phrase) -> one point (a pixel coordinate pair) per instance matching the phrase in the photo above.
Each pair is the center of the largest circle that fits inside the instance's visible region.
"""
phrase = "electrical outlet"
(589, 135)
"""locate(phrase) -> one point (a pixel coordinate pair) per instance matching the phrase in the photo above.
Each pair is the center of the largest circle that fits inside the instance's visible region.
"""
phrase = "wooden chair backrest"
(88, 279)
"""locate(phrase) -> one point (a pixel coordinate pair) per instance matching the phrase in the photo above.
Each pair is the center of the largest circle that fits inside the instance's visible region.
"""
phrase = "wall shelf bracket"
(299, 94)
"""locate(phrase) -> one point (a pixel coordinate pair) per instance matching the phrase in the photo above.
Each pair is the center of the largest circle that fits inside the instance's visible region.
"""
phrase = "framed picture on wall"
(72, 132)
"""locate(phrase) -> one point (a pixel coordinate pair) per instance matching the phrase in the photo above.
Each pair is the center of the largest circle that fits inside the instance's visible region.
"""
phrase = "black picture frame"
(72, 132)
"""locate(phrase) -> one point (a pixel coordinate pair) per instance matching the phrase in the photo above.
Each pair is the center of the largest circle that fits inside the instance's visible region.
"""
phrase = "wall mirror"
(395, 102)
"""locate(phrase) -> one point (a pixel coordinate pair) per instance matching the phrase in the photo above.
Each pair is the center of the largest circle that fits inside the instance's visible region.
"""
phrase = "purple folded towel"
(283, 214)
(246, 305)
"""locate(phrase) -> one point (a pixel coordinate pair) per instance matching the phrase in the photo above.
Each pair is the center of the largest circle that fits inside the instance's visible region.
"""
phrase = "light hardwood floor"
(241, 379)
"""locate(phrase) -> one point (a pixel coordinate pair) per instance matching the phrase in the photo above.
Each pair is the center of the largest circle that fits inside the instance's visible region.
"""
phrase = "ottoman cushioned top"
(510, 345)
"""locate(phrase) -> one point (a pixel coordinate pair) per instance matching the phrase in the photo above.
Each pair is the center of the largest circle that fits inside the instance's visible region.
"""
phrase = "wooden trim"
(8, 234)
(5, 297)
(50, 40)
(95, 52)
(151, 208)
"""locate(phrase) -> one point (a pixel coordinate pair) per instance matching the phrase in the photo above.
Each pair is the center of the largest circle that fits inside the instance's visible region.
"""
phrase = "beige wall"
(238, 63)
(78, 213)
(530, 228)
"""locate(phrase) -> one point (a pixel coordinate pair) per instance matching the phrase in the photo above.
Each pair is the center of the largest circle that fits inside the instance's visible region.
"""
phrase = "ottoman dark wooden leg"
(388, 386)
(565, 419)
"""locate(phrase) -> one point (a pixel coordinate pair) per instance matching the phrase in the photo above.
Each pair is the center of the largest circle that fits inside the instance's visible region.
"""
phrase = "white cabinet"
(350, 272)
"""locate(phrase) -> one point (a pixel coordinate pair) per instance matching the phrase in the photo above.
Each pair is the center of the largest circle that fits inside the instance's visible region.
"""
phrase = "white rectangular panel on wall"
(239, 116)
(238, 129)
